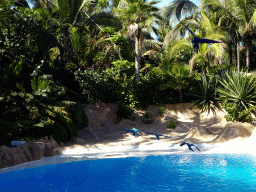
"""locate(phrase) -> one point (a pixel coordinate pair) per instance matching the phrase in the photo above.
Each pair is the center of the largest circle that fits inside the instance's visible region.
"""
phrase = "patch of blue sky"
(164, 3)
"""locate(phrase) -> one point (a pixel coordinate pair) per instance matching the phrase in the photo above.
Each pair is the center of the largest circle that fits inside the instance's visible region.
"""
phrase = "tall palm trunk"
(137, 52)
(235, 51)
(238, 56)
(247, 43)
(230, 52)
(247, 57)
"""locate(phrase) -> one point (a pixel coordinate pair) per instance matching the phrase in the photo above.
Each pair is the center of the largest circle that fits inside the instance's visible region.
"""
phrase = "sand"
(191, 126)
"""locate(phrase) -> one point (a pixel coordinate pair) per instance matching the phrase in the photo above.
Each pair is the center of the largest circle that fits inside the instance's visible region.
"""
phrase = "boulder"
(78, 140)
(101, 113)
(128, 124)
(29, 151)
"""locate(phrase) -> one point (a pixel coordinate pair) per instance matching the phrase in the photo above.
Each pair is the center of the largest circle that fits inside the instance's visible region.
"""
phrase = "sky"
(166, 2)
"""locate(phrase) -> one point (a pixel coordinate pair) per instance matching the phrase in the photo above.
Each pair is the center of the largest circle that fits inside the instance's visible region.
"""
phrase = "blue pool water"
(176, 172)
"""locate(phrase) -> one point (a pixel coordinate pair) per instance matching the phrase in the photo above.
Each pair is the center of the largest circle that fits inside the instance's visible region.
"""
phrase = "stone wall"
(29, 151)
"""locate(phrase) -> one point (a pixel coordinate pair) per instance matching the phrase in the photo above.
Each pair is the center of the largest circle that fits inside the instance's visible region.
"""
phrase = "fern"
(40, 86)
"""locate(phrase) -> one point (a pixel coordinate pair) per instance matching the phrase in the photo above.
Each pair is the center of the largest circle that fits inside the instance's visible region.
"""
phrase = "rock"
(78, 140)
(101, 113)
(29, 151)
(127, 124)
(147, 118)
(133, 117)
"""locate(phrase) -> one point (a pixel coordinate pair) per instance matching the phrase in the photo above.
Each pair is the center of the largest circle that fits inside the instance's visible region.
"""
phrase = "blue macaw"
(189, 145)
(133, 131)
(197, 40)
(157, 135)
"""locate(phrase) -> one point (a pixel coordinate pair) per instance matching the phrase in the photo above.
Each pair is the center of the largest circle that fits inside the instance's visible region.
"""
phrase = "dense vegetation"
(83, 51)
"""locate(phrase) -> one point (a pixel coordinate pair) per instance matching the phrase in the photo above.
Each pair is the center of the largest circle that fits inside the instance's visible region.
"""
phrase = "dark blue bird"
(189, 145)
(197, 40)
(157, 135)
(133, 131)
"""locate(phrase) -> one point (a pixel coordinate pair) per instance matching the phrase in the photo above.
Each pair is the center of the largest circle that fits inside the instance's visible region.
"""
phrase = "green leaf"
(39, 124)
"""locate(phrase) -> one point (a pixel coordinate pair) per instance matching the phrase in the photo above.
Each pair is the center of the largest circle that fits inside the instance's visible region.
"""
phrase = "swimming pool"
(173, 172)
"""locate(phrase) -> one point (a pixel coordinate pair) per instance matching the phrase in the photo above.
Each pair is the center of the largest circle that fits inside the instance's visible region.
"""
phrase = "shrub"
(78, 115)
(7, 130)
(123, 111)
(59, 134)
(97, 85)
(161, 110)
(23, 116)
(238, 89)
(179, 83)
(124, 67)
(238, 95)
(171, 124)
(206, 94)
(237, 113)
(62, 129)
(18, 117)
(147, 118)
(148, 92)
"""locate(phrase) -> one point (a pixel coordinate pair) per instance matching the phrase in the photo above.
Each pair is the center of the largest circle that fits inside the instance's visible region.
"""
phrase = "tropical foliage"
(206, 94)
(238, 94)
(120, 51)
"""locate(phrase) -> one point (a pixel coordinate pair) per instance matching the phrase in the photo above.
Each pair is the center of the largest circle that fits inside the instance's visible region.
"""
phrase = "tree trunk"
(230, 54)
(247, 43)
(137, 52)
(235, 51)
(247, 57)
(238, 56)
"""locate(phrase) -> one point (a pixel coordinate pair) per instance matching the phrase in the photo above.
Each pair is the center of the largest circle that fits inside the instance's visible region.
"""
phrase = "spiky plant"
(239, 89)
(206, 94)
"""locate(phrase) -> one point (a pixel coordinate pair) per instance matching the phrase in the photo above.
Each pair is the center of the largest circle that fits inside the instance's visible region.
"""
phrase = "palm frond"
(186, 6)
(150, 52)
(152, 44)
(252, 21)
(176, 46)
(107, 19)
(175, 8)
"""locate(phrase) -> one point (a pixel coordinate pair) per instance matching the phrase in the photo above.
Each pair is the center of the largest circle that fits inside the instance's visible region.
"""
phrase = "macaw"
(197, 40)
(133, 131)
(157, 135)
(189, 145)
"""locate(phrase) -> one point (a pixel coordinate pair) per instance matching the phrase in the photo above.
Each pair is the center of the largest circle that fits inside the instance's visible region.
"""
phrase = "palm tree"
(73, 16)
(210, 31)
(206, 29)
(242, 13)
(138, 17)
(176, 7)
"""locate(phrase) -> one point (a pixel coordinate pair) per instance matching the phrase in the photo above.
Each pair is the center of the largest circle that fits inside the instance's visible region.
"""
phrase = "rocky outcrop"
(128, 124)
(29, 151)
(78, 140)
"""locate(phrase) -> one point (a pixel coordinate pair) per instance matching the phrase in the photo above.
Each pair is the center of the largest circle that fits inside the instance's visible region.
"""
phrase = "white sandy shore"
(205, 130)
(211, 133)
